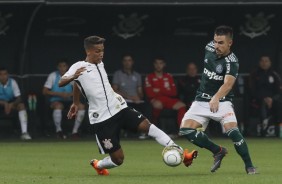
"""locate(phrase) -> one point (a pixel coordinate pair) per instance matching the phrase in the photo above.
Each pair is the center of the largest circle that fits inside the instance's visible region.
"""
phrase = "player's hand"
(79, 72)
(73, 111)
(214, 103)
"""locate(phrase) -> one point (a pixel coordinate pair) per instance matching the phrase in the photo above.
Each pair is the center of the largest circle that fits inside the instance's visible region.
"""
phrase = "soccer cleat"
(251, 170)
(75, 136)
(25, 136)
(61, 135)
(94, 164)
(189, 157)
(218, 158)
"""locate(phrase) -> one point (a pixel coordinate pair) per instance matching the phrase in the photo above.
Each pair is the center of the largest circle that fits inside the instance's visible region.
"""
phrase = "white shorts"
(200, 112)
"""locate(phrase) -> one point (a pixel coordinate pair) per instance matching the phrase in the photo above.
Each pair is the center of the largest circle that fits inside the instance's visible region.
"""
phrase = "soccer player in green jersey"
(214, 101)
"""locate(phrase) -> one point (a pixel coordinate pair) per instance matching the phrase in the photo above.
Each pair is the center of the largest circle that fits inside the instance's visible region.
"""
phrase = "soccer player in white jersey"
(214, 101)
(108, 111)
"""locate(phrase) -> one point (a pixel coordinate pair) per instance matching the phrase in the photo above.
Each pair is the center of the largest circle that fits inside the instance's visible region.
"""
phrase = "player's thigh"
(132, 119)
(226, 115)
(157, 104)
(107, 136)
(196, 116)
(167, 102)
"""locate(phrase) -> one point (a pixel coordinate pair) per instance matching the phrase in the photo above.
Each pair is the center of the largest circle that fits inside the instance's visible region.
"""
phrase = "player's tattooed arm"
(67, 79)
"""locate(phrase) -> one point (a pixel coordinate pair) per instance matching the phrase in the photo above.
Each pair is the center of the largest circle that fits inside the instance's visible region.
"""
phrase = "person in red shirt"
(161, 92)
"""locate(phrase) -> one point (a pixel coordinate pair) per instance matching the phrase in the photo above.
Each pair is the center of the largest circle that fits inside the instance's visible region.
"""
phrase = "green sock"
(240, 146)
(200, 139)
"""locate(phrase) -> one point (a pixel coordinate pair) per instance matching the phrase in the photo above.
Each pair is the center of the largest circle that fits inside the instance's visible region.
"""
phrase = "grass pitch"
(67, 162)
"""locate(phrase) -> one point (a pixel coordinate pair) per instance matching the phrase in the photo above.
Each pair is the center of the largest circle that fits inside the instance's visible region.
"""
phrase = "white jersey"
(50, 80)
(96, 88)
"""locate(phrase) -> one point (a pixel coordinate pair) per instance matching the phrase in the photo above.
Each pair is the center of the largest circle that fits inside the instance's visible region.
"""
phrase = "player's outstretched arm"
(67, 79)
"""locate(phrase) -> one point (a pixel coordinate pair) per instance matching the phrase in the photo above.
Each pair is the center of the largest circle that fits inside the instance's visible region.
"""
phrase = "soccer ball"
(172, 155)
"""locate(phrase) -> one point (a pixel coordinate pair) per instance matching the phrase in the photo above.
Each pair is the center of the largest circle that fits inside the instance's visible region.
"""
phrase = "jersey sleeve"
(72, 69)
(210, 47)
(50, 80)
(16, 89)
(232, 65)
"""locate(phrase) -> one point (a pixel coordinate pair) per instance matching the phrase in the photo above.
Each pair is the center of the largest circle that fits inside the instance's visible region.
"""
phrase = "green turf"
(68, 162)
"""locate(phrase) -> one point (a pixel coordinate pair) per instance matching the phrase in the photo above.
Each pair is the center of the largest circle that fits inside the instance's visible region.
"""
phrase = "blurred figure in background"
(128, 83)
(188, 85)
(161, 91)
(61, 98)
(265, 88)
(10, 99)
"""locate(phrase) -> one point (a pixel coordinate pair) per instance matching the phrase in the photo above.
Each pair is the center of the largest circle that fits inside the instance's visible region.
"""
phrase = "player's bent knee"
(144, 126)
(157, 105)
(179, 105)
(21, 107)
(231, 125)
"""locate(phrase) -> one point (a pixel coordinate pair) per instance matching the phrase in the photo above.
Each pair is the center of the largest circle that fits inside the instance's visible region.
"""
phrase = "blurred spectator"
(265, 88)
(128, 83)
(60, 98)
(161, 91)
(188, 85)
(10, 99)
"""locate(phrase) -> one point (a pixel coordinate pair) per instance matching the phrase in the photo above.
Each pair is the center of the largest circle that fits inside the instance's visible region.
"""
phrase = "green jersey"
(214, 72)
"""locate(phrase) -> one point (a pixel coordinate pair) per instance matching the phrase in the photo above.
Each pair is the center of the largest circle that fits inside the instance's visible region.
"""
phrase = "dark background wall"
(179, 33)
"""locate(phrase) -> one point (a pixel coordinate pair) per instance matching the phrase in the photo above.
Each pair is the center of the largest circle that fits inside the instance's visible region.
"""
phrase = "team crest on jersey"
(219, 68)
(107, 143)
(95, 115)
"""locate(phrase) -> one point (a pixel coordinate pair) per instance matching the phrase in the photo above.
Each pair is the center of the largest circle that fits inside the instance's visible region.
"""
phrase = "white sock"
(160, 136)
(57, 117)
(106, 163)
(78, 120)
(23, 120)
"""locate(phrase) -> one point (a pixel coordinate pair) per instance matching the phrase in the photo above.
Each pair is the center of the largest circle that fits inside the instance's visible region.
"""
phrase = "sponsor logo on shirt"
(212, 75)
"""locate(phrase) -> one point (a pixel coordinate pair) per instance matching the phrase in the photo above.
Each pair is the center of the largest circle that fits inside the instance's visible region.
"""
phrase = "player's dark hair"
(158, 58)
(126, 55)
(93, 40)
(224, 30)
(62, 60)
